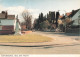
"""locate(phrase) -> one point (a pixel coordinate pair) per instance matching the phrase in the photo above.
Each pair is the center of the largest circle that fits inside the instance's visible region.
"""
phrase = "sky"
(37, 6)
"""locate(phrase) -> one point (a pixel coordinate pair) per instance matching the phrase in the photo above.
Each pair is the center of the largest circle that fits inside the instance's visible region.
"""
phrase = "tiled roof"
(60, 16)
(68, 13)
(73, 12)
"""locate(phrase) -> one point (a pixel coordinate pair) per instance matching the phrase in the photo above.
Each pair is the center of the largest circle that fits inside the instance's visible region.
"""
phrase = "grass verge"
(30, 38)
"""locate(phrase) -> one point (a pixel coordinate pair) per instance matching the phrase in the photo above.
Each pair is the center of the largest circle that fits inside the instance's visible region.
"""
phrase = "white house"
(75, 15)
(8, 23)
(76, 18)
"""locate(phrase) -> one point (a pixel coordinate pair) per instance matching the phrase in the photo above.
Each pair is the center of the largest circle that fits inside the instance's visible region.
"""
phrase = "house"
(75, 16)
(71, 16)
(7, 23)
(23, 27)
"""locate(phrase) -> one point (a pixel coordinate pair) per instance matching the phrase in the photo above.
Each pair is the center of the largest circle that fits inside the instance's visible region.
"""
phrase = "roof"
(2, 15)
(60, 16)
(11, 17)
(73, 12)
(68, 13)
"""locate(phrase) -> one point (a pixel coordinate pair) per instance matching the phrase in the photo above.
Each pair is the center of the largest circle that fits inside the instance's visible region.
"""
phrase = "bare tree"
(27, 18)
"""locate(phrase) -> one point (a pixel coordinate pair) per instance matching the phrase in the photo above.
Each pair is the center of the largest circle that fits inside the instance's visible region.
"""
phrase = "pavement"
(58, 40)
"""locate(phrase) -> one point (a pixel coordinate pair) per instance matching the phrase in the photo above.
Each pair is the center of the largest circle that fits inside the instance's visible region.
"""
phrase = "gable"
(76, 16)
(73, 13)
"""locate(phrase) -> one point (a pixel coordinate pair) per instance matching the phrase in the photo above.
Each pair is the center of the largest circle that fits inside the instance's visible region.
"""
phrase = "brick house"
(7, 23)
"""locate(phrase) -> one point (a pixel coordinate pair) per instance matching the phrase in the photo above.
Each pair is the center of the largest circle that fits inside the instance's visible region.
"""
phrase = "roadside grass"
(30, 38)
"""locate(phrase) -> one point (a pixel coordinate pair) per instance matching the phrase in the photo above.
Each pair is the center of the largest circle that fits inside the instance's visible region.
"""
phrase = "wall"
(77, 30)
(7, 26)
(6, 22)
(6, 32)
(76, 18)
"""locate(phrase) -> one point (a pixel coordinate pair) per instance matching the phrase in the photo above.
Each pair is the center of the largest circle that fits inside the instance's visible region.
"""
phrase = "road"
(71, 49)
(58, 49)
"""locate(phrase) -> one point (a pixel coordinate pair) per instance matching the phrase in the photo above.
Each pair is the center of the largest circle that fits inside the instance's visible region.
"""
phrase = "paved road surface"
(58, 49)
(40, 50)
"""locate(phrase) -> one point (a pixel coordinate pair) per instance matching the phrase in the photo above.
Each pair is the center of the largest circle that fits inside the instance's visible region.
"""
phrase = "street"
(55, 49)
(73, 49)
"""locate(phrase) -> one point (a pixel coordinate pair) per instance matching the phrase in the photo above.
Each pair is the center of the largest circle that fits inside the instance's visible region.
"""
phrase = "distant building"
(8, 23)
(73, 16)
(23, 27)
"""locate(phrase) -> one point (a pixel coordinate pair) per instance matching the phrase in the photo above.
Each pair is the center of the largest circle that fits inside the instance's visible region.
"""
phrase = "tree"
(44, 25)
(65, 24)
(68, 22)
(41, 17)
(52, 16)
(27, 18)
(57, 16)
(49, 17)
(36, 24)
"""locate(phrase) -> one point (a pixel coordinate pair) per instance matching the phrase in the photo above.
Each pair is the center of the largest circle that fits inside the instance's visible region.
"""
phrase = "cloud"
(18, 10)
(1, 8)
(15, 10)
(12, 10)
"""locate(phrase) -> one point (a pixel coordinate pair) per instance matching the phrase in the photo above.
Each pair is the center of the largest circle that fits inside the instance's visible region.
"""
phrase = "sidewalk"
(57, 40)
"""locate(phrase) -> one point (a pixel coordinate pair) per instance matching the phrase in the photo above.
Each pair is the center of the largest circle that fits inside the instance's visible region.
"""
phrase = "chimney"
(3, 12)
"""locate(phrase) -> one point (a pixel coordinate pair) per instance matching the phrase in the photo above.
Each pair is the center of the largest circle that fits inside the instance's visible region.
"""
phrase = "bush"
(44, 25)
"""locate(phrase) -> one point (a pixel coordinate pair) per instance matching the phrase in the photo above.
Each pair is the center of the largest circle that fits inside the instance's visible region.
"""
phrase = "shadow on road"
(63, 33)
